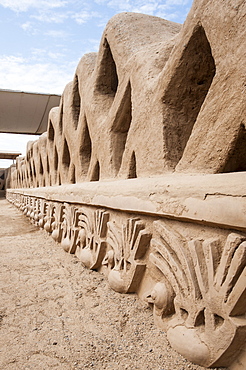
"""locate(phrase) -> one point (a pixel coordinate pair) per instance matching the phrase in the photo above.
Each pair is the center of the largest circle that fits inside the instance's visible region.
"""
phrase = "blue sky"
(43, 40)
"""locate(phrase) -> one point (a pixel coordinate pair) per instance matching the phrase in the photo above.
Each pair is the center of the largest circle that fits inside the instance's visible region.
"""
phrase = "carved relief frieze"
(196, 285)
(34, 216)
(91, 244)
(57, 224)
(49, 217)
(23, 203)
(42, 212)
(128, 244)
(70, 229)
(28, 206)
(199, 300)
(16, 199)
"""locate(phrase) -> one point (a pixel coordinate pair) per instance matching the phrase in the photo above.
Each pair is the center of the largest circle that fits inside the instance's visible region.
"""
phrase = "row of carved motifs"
(28, 175)
(198, 290)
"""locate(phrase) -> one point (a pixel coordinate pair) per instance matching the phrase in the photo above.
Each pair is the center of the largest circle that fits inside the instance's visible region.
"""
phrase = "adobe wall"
(141, 173)
(3, 175)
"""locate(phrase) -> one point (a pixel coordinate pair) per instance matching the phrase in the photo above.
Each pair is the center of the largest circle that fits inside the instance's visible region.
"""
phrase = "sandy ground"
(55, 314)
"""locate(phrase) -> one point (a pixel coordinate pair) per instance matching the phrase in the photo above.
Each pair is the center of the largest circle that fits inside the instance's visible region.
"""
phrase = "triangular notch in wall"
(107, 80)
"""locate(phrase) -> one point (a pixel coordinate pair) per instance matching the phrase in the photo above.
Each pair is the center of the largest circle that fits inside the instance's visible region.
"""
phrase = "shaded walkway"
(54, 314)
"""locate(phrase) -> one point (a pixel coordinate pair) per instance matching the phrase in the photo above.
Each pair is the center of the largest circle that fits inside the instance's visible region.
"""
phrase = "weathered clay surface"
(56, 314)
(193, 275)
(140, 173)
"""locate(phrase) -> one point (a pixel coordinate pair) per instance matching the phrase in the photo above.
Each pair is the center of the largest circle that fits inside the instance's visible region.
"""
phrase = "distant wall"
(2, 181)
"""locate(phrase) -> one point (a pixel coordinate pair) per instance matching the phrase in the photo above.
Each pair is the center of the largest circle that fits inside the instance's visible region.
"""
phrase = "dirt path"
(55, 314)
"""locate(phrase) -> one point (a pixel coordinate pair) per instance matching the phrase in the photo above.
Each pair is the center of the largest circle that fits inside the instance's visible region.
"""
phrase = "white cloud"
(83, 16)
(122, 5)
(151, 7)
(38, 53)
(26, 26)
(17, 73)
(29, 27)
(177, 2)
(24, 5)
(42, 54)
(54, 56)
(56, 33)
(171, 16)
(94, 44)
(51, 17)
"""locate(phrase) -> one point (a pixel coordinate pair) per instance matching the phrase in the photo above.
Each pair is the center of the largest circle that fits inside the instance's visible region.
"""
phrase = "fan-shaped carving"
(49, 217)
(91, 246)
(57, 223)
(70, 228)
(125, 259)
(42, 212)
(205, 281)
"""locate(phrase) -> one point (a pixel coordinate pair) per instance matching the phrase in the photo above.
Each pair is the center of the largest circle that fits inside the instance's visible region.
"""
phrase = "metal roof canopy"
(9, 155)
(24, 112)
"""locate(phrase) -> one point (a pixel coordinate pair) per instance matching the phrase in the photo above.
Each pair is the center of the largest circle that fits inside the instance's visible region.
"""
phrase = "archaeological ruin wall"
(141, 173)
(2, 181)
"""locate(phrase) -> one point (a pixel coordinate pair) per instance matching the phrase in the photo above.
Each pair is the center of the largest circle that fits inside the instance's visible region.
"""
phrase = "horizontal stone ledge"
(218, 199)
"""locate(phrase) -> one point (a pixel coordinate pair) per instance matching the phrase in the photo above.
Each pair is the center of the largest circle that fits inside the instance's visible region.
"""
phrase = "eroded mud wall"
(156, 98)
(141, 172)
